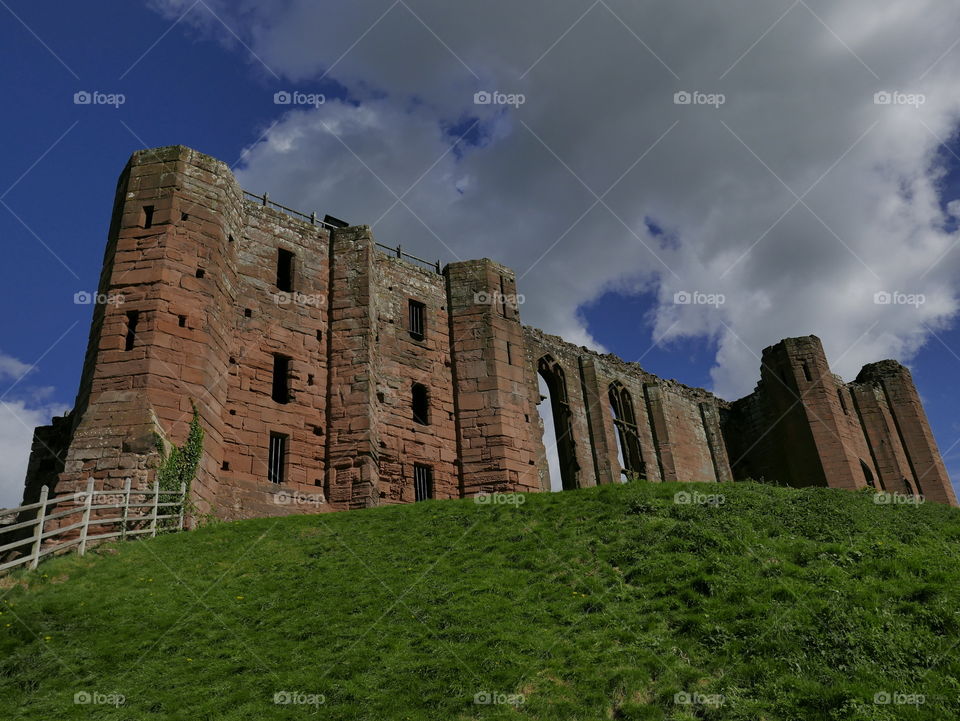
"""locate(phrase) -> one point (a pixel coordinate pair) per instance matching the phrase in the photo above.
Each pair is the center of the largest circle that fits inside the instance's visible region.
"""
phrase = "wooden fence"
(53, 530)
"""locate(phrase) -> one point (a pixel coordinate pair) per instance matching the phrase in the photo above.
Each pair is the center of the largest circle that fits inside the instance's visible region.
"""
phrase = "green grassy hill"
(609, 603)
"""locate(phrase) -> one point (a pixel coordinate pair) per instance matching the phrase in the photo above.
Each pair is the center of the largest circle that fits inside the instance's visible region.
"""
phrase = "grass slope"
(595, 604)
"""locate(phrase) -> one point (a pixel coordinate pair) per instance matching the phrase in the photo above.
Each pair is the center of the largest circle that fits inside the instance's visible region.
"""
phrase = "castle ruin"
(331, 368)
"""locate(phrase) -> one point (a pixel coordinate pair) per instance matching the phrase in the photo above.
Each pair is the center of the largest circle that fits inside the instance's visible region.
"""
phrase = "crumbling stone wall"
(200, 308)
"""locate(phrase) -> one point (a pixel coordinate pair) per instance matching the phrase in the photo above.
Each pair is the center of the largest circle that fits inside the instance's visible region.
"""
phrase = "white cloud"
(800, 120)
(18, 418)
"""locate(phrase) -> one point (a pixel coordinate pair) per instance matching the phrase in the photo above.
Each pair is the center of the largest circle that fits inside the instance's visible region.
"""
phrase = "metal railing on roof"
(397, 251)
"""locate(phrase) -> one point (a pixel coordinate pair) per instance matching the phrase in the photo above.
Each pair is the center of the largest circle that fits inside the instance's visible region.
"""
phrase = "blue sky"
(196, 87)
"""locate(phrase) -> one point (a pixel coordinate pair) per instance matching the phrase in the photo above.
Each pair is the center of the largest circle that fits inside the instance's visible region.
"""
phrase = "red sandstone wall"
(678, 427)
(401, 361)
(203, 278)
(495, 406)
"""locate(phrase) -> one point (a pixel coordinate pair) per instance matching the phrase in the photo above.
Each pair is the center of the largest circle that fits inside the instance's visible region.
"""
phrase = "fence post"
(88, 501)
(266, 199)
(38, 536)
(399, 251)
(183, 505)
(153, 515)
(126, 510)
(438, 266)
(313, 218)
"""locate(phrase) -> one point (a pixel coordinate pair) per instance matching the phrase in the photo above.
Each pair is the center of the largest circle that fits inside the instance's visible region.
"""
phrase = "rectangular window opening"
(285, 270)
(415, 319)
(806, 372)
(843, 402)
(148, 216)
(420, 403)
(277, 458)
(182, 319)
(281, 378)
(422, 482)
(133, 318)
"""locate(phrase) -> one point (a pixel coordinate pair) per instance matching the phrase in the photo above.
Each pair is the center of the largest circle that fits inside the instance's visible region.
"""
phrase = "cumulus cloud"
(803, 184)
(18, 418)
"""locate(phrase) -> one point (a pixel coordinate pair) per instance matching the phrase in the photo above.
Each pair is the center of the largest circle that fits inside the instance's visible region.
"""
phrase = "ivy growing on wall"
(180, 464)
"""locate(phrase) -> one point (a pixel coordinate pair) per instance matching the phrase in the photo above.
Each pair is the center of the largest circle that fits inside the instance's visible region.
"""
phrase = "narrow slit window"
(133, 318)
(843, 402)
(420, 403)
(415, 319)
(148, 216)
(806, 372)
(285, 270)
(281, 379)
(277, 458)
(422, 482)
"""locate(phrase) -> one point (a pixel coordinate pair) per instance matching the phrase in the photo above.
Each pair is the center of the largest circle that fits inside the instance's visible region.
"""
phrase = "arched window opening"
(867, 475)
(628, 436)
(561, 450)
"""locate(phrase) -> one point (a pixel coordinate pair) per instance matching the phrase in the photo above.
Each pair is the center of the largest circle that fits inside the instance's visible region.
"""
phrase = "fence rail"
(150, 518)
(265, 201)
